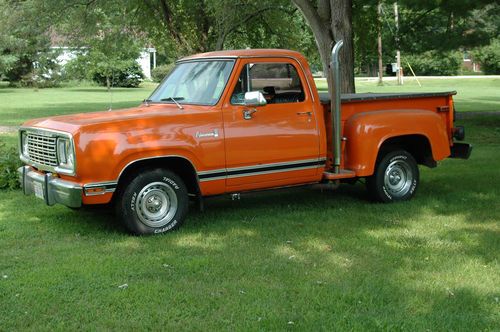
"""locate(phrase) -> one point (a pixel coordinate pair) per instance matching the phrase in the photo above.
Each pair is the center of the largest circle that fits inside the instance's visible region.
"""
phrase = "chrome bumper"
(50, 188)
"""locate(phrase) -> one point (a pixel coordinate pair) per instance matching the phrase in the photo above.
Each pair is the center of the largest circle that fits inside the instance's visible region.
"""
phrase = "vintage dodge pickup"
(235, 121)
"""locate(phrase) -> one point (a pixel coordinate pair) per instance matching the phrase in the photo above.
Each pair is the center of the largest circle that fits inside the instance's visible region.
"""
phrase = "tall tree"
(206, 25)
(331, 21)
(432, 25)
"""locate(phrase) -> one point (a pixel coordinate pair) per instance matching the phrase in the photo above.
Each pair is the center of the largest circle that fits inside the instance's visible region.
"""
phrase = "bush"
(160, 72)
(77, 69)
(37, 79)
(489, 58)
(433, 63)
(40, 71)
(130, 77)
(9, 163)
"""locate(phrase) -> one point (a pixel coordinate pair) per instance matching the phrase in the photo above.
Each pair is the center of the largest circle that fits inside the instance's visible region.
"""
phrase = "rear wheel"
(155, 201)
(396, 177)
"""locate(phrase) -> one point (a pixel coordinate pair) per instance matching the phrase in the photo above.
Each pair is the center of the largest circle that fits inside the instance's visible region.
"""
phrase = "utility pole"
(379, 40)
(399, 72)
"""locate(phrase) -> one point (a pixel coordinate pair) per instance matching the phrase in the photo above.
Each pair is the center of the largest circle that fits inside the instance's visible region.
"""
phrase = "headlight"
(24, 143)
(65, 155)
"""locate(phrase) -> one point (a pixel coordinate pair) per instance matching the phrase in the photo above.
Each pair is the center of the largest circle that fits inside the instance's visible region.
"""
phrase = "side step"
(344, 174)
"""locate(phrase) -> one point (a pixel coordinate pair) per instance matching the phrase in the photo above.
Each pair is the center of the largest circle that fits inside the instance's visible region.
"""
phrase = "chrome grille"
(42, 149)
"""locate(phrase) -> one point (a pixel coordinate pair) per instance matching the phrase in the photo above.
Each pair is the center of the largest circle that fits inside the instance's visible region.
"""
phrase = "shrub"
(9, 163)
(37, 79)
(43, 71)
(489, 57)
(160, 72)
(130, 77)
(77, 69)
(433, 63)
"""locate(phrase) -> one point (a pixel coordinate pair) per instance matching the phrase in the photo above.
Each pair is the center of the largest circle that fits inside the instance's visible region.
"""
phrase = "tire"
(396, 178)
(154, 202)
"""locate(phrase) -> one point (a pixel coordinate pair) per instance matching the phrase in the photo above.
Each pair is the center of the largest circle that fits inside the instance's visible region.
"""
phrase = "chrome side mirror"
(255, 98)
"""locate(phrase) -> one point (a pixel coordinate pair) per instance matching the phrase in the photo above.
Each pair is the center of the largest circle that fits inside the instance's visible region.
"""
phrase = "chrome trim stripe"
(298, 168)
(222, 57)
(272, 165)
(101, 184)
(109, 187)
(100, 193)
(235, 172)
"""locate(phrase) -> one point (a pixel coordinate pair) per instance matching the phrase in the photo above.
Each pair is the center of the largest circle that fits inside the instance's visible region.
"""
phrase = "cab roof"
(247, 53)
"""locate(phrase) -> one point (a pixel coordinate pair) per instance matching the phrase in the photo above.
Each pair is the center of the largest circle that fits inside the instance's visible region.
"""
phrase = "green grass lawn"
(290, 259)
(19, 105)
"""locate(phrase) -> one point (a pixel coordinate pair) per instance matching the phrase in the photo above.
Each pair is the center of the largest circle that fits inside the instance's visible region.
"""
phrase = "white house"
(146, 60)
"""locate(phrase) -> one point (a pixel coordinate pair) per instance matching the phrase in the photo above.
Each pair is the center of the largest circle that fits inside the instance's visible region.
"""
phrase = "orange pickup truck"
(235, 121)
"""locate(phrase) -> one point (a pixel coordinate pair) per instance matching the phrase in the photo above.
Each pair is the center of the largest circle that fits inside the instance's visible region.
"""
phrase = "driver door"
(279, 143)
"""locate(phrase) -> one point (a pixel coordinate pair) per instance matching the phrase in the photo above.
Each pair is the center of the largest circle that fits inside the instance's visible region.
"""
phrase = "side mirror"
(255, 98)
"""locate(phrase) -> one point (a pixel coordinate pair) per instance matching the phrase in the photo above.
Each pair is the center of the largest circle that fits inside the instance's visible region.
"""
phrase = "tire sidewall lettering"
(166, 228)
(386, 193)
(132, 201)
(171, 182)
(398, 158)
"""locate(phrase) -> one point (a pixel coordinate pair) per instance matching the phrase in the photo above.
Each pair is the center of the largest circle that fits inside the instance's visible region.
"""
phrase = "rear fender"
(366, 133)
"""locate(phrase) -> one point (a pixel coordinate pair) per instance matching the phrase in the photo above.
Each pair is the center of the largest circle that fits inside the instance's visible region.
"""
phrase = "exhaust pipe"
(335, 105)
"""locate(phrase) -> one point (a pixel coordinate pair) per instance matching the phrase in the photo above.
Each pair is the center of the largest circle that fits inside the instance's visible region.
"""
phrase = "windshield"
(196, 82)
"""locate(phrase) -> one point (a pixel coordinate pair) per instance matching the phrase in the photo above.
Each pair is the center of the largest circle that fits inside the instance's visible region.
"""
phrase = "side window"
(278, 82)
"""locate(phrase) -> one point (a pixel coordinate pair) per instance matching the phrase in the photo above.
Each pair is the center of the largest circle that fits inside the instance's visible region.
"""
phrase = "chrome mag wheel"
(156, 204)
(398, 178)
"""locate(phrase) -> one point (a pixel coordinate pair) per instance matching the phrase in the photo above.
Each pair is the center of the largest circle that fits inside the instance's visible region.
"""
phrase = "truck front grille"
(42, 149)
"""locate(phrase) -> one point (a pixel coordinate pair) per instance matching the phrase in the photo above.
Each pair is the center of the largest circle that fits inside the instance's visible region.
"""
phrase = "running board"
(344, 174)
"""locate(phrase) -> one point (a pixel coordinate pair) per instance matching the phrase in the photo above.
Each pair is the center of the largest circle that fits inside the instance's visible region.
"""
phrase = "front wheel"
(155, 201)
(396, 177)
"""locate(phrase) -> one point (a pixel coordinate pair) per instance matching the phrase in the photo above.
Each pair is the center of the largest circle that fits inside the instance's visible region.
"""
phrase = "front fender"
(366, 132)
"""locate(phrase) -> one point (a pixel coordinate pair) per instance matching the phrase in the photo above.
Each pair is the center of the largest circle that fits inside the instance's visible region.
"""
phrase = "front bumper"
(50, 188)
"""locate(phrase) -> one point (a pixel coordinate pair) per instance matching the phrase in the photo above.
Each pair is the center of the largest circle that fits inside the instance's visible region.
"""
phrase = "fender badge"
(214, 133)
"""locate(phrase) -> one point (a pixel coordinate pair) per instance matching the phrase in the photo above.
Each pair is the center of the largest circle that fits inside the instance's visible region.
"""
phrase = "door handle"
(247, 114)
(305, 113)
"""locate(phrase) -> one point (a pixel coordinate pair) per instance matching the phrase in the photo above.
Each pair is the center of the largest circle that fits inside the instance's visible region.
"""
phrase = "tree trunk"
(330, 22)
(341, 25)
(219, 45)
(379, 44)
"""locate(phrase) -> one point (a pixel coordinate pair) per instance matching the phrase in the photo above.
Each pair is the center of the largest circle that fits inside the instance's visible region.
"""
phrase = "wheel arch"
(418, 145)
(181, 166)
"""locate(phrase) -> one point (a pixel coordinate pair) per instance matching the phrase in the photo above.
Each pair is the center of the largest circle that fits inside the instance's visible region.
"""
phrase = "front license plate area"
(38, 188)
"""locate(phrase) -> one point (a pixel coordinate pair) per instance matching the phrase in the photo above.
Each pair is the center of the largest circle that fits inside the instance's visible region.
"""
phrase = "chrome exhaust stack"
(335, 99)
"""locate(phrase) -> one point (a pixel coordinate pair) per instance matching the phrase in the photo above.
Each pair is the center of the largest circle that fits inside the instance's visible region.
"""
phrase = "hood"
(73, 122)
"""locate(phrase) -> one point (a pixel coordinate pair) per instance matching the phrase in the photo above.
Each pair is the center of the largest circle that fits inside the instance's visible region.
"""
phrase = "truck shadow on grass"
(322, 260)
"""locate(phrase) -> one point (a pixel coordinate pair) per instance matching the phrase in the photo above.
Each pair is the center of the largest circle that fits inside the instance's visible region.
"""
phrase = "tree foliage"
(21, 43)
(425, 27)
(113, 31)
(489, 56)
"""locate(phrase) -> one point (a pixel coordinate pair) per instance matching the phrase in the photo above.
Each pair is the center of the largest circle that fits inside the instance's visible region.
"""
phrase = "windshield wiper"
(174, 99)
